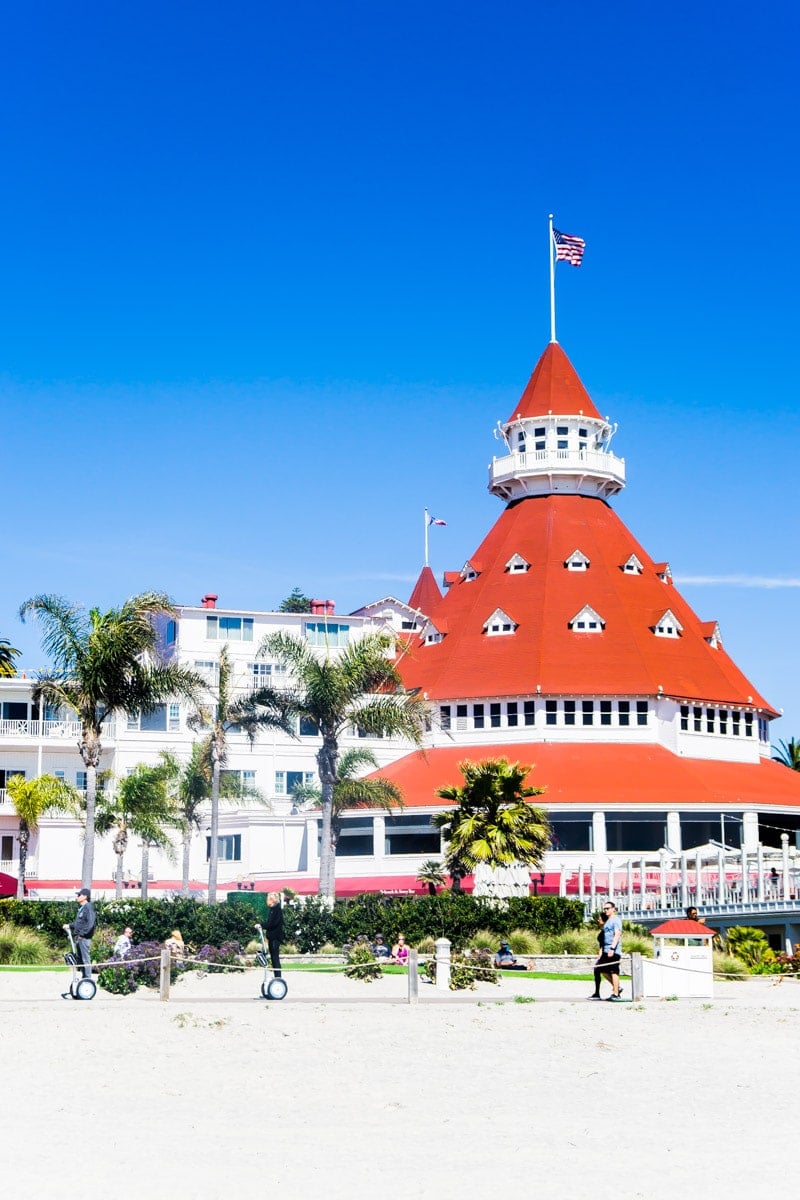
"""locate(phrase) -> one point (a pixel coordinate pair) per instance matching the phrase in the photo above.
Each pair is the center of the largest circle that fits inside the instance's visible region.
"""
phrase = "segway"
(82, 986)
(274, 989)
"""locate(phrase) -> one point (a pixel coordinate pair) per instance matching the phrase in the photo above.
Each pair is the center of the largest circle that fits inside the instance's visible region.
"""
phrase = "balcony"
(56, 731)
(540, 472)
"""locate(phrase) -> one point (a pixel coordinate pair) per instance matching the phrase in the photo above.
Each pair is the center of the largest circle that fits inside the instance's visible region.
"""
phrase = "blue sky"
(271, 273)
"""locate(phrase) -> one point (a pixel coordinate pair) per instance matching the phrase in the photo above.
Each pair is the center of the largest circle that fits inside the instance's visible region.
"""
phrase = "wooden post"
(443, 963)
(166, 965)
(637, 976)
(413, 976)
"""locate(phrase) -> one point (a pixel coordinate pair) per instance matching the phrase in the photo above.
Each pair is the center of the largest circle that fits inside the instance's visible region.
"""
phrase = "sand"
(344, 1090)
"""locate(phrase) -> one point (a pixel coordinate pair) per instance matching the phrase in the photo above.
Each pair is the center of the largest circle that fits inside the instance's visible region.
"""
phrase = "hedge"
(311, 922)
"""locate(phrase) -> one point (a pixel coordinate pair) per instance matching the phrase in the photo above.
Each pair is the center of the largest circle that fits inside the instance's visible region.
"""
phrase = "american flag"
(568, 248)
(436, 521)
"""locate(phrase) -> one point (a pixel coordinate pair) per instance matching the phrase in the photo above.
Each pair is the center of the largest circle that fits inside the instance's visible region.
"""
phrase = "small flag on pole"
(568, 248)
(436, 521)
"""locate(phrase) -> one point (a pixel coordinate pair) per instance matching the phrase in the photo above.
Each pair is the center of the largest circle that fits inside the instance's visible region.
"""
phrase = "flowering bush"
(221, 958)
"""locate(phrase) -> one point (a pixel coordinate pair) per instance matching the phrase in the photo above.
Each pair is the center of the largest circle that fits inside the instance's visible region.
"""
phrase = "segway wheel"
(85, 989)
(277, 989)
(72, 990)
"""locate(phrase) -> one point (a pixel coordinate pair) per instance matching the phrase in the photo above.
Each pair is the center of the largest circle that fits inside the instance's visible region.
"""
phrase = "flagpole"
(427, 521)
(552, 286)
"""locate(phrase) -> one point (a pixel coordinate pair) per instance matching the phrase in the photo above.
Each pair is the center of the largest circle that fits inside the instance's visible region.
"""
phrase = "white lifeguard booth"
(682, 965)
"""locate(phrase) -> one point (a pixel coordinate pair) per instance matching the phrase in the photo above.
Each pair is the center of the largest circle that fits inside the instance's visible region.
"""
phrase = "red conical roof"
(426, 595)
(554, 387)
(543, 654)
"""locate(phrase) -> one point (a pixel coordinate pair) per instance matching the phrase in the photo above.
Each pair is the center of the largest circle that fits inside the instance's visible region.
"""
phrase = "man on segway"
(83, 928)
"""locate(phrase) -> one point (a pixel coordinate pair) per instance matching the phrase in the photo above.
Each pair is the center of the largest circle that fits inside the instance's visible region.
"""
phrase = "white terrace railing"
(62, 730)
(10, 866)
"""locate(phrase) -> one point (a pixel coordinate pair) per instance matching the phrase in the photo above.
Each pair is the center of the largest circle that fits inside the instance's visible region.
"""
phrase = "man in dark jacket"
(273, 931)
(83, 928)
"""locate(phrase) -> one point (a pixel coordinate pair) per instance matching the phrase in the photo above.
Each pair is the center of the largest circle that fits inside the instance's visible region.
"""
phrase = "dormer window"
(469, 572)
(587, 621)
(668, 626)
(499, 624)
(517, 565)
(431, 635)
(577, 561)
(712, 634)
(632, 566)
(663, 572)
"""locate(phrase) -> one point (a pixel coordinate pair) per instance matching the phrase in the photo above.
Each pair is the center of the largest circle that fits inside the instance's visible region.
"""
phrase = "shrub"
(484, 939)
(132, 971)
(226, 957)
(576, 941)
(426, 945)
(361, 963)
(20, 947)
(729, 967)
(466, 969)
(638, 944)
(749, 945)
(522, 941)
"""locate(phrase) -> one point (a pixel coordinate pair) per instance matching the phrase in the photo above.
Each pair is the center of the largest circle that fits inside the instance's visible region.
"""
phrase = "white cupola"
(556, 440)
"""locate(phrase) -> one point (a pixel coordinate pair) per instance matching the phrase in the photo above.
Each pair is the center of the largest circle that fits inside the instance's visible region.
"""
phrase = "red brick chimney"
(209, 600)
(323, 608)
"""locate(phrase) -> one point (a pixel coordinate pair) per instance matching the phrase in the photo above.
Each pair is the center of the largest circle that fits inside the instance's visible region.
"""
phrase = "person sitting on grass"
(505, 960)
(380, 949)
(400, 950)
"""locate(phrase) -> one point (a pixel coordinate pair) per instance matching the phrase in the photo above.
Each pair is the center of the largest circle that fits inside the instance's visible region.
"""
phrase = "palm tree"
(256, 710)
(432, 875)
(141, 805)
(493, 822)
(104, 663)
(7, 656)
(788, 754)
(353, 790)
(192, 794)
(333, 689)
(32, 800)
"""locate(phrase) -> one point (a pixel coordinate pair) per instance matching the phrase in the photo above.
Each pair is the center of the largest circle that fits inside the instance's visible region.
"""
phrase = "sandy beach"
(344, 1089)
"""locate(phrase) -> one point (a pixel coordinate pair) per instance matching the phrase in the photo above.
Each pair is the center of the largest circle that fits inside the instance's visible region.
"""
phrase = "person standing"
(273, 931)
(598, 974)
(83, 928)
(611, 954)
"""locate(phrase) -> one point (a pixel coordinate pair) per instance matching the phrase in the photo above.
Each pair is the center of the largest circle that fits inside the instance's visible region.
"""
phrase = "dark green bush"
(362, 964)
(308, 923)
(466, 969)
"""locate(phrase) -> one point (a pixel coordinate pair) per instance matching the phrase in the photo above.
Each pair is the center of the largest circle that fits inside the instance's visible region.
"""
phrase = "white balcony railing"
(62, 731)
(10, 866)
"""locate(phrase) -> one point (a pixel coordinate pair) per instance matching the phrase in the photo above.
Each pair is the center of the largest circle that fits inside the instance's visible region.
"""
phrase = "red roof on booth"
(682, 928)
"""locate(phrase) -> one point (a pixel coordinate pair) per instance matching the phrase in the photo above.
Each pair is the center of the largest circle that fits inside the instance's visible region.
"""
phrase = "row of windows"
(514, 713)
(724, 721)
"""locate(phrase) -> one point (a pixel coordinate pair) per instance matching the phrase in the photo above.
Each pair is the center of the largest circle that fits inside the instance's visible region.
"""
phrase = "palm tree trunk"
(187, 850)
(213, 852)
(145, 867)
(326, 760)
(24, 835)
(90, 749)
(119, 876)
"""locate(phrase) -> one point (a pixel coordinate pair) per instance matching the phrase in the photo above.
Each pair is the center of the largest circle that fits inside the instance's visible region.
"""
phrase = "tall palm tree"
(334, 689)
(140, 805)
(7, 656)
(353, 790)
(32, 800)
(492, 822)
(224, 712)
(192, 791)
(105, 663)
(788, 753)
